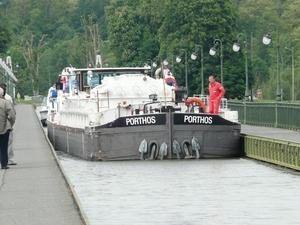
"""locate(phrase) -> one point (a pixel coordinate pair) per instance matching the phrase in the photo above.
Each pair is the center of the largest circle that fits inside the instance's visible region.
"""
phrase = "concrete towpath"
(271, 132)
(34, 192)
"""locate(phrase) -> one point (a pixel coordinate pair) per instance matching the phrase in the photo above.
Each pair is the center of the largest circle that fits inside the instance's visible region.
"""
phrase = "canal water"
(191, 192)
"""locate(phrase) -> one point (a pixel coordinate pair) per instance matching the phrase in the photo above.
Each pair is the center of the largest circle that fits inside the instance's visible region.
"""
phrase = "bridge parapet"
(271, 114)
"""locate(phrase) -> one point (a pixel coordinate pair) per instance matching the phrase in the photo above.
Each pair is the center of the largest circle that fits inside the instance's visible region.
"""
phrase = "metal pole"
(251, 48)
(216, 42)
(293, 72)
(202, 74)
(246, 70)
(293, 75)
(277, 76)
(221, 58)
(151, 68)
(251, 64)
(186, 76)
(164, 83)
(278, 94)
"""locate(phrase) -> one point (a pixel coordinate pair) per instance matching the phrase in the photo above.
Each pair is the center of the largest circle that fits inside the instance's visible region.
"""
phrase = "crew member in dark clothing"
(7, 120)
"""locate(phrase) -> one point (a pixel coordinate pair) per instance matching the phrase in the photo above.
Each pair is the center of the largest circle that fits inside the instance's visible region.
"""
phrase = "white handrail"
(8, 70)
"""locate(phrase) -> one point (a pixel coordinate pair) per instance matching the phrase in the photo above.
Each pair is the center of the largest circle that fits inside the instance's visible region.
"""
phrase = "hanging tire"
(143, 148)
(186, 149)
(153, 150)
(163, 150)
(196, 147)
(177, 149)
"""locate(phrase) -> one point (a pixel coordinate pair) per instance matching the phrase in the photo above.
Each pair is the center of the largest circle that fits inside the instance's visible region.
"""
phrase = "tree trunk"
(32, 54)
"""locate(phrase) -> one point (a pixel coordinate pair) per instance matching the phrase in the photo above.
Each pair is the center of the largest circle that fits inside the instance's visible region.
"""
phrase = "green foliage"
(135, 32)
(4, 37)
(281, 20)
(142, 30)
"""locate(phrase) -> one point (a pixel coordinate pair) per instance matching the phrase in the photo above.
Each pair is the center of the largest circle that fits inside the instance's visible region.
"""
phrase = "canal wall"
(283, 153)
(267, 142)
(272, 145)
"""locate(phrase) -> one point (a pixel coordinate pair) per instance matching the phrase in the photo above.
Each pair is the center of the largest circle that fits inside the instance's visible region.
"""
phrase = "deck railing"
(272, 114)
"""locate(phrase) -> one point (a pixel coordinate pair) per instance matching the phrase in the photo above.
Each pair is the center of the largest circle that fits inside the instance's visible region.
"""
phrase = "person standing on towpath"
(7, 120)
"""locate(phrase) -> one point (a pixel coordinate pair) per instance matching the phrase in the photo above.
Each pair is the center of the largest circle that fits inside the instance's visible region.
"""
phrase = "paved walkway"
(34, 192)
(269, 132)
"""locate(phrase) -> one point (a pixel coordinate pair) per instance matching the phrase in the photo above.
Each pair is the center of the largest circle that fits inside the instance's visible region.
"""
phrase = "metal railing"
(205, 99)
(7, 76)
(272, 114)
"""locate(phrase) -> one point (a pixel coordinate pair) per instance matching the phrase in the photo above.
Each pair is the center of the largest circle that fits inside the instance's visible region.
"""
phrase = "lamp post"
(293, 72)
(148, 64)
(213, 52)
(14, 85)
(154, 63)
(160, 64)
(178, 60)
(194, 57)
(236, 48)
(267, 41)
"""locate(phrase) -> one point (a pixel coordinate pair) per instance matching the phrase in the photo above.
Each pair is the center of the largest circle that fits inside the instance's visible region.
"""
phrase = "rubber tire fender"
(143, 148)
(186, 151)
(176, 149)
(153, 154)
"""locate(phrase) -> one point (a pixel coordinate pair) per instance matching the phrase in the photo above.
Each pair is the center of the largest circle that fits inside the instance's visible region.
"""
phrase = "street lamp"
(213, 52)
(158, 63)
(153, 63)
(236, 48)
(293, 72)
(266, 40)
(165, 62)
(194, 56)
(178, 60)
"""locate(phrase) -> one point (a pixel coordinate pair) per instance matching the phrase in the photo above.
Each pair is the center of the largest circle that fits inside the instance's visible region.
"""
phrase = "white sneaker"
(11, 163)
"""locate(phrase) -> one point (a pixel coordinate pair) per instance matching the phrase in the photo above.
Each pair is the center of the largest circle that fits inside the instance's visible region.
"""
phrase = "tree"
(124, 31)
(32, 50)
(92, 40)
(132, 32)
(4, 38)
(190, 23)
(141, 30)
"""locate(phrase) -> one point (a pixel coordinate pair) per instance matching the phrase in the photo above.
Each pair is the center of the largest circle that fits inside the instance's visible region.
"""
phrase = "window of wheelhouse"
(93, 79)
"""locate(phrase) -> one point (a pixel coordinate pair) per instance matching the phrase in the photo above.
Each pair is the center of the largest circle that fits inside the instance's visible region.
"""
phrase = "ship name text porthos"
(146, 120)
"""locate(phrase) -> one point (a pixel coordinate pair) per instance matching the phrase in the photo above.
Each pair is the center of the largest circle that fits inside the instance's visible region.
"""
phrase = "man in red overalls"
(216, 92)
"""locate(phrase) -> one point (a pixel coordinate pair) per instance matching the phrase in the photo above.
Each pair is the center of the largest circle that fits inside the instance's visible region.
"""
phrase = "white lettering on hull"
(198, 119)
(140, 121)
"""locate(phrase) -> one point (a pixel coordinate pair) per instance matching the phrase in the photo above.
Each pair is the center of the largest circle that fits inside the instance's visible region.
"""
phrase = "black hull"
(116, 141)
